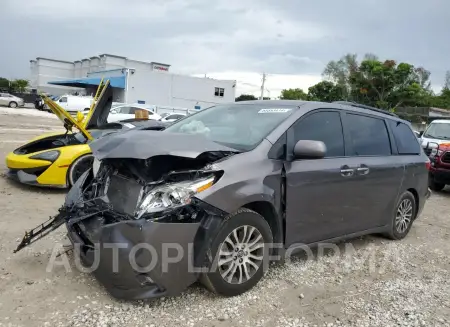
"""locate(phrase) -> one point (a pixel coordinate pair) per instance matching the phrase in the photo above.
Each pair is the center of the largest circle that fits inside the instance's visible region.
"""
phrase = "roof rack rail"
(358, 105)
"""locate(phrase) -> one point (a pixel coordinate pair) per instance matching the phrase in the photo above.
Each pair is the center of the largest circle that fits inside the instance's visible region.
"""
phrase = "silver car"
(11, 101)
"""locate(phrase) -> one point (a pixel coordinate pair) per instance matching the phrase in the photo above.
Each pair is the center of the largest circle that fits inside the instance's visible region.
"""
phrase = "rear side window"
(63, 99)
(405, 139)
(369, 136)
(322, 126)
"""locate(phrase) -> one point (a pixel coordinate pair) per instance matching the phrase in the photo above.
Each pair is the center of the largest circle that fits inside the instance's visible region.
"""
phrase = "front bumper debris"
(139, 259)
(41, 231)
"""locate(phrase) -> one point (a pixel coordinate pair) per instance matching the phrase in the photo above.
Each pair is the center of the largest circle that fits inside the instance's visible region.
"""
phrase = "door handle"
(363, 170)
(346, 171)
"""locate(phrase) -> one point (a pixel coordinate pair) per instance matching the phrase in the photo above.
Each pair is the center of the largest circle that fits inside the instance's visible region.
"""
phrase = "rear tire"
(13, 104)
(404, 215)
(78, 167)
(241, 254)
(435, 186)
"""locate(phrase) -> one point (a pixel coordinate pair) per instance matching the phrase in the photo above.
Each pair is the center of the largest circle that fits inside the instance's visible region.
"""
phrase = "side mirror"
(80, 117)
(113, 111)
(309, 149)
(420, 134)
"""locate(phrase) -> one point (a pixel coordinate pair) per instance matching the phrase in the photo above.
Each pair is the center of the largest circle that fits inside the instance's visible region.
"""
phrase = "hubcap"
(241, 254)
(404, 216)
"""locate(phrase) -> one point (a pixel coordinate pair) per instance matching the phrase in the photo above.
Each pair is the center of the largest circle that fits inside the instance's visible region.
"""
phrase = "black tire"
(12, 104)
(78, 167)
(398, 230)
(435, 186)
(213, 280)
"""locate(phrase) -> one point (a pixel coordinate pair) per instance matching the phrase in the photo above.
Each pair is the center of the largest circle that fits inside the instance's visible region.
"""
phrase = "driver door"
(320, 201)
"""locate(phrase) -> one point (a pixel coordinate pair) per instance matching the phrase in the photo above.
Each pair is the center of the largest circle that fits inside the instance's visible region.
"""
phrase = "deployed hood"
(96, 117)
(143, 144)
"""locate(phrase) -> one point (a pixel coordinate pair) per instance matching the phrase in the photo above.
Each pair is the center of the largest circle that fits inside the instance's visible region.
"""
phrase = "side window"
(323, 126)
(131, 110)
(369, 136)
(63, 99)
(405, 139)
(124, 110)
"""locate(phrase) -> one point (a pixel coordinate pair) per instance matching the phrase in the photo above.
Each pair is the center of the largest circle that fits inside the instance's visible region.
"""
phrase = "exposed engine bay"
(155, 189)
(48, 143)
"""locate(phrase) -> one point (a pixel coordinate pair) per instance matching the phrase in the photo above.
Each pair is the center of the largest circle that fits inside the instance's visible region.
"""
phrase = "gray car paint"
(321, 203)
(136, 144)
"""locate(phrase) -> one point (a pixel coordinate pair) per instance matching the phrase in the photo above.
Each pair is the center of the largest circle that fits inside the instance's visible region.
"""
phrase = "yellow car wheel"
(78, 167)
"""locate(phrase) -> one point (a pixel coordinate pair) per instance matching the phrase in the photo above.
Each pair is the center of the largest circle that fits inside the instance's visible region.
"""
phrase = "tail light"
(428, 164)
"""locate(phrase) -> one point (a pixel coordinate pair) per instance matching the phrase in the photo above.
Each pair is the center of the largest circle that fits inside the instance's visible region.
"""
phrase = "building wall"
(44, 70)
(151, 81)
(161, 88)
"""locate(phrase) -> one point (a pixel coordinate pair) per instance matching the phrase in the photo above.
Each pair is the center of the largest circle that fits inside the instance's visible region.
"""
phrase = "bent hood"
(143, 144)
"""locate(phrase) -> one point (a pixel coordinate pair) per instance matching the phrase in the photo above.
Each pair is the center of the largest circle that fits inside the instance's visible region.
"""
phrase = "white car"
(10, 100)
(173, 117)
(75, 103)
(128, 111)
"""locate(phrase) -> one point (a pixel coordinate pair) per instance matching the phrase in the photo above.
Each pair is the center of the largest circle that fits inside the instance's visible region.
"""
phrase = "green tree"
(4, 83)
(340, 72)
(293, 94)
(384, 84)
(326, 91)
(245, 97)
(447, 80)
(19, 85)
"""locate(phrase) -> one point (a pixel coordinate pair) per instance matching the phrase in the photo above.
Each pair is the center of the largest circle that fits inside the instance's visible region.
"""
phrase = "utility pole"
(262, 86)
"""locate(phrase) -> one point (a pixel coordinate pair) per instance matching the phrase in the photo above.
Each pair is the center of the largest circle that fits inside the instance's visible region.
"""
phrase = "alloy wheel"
(404, 216)
(241, 254)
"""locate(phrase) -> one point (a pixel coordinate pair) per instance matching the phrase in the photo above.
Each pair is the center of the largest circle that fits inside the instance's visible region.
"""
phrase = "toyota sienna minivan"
(222, 188)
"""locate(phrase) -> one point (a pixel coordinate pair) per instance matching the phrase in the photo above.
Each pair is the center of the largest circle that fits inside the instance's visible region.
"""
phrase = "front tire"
(78, 167)
(241, 253)
(13, 104)
(404, 215)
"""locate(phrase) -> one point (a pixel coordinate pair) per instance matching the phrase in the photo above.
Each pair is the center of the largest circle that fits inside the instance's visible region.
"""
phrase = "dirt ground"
(408, 284)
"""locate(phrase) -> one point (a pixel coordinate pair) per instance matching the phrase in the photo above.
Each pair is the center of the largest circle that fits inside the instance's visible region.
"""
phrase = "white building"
(133, 81)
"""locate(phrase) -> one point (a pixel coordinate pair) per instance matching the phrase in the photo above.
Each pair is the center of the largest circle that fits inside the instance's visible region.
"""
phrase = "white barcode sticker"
(129, 125)
(273, 111)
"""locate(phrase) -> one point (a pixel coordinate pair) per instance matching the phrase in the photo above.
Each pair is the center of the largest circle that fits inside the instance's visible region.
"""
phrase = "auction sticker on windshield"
(273, 110)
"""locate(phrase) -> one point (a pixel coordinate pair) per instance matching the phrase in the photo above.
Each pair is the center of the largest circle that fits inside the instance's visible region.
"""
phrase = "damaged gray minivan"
(225, 185)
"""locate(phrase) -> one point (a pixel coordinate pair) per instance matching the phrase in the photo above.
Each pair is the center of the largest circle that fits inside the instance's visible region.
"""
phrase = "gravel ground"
(369, 281)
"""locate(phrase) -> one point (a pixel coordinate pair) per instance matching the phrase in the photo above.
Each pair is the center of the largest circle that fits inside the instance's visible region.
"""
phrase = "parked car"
(435, 141)
(127, 111)
(75, 103)
(11, 101)
(39, 103)
(172, 117)
(227, 183)
(58, 159)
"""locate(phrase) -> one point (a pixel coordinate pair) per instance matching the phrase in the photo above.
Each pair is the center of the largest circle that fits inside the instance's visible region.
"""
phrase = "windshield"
(239, 126)
(438, 131)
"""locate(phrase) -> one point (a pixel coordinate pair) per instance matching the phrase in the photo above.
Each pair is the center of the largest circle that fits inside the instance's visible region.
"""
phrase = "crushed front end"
(138, 225)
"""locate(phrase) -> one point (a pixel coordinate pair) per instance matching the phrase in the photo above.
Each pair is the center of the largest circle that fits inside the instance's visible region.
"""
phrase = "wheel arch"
(269, 213)
(74, 162)
(414, 192)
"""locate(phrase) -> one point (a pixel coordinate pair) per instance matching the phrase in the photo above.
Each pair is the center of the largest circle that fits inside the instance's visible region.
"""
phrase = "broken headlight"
(172, 195)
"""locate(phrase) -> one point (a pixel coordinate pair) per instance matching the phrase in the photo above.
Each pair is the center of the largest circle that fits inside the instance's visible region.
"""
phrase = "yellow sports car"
(59, 159)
